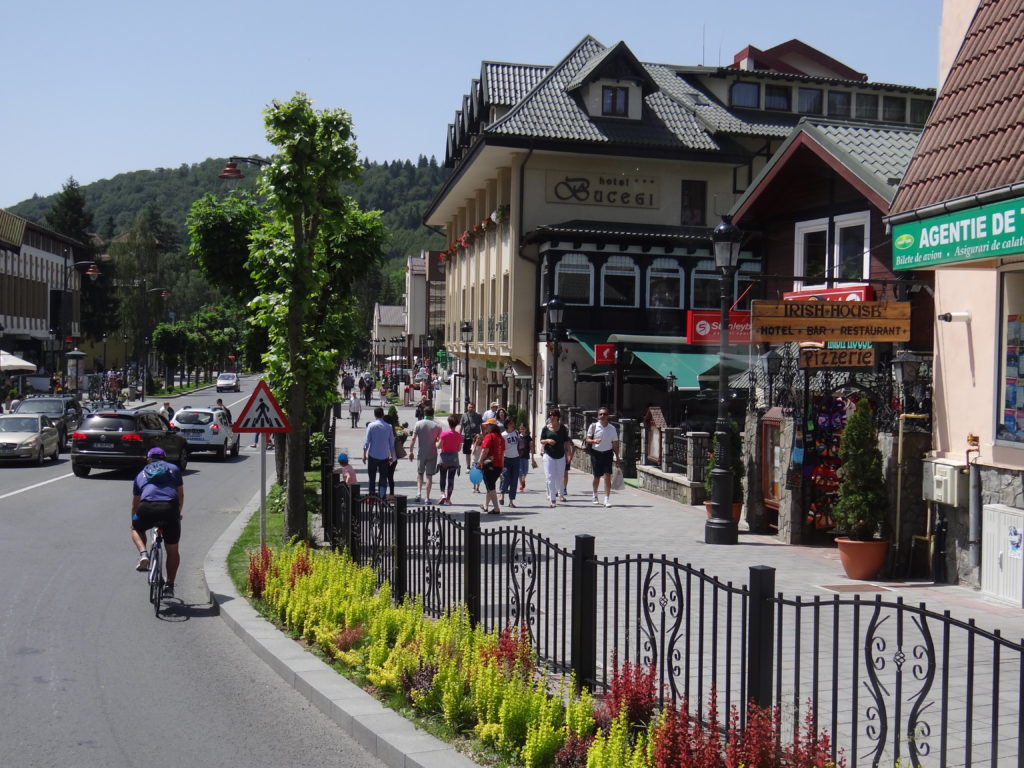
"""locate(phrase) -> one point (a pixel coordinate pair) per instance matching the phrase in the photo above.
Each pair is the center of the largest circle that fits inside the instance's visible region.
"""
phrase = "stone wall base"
(669, 486)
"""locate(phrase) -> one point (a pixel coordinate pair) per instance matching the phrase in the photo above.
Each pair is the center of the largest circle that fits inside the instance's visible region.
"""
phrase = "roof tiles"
(974, 139)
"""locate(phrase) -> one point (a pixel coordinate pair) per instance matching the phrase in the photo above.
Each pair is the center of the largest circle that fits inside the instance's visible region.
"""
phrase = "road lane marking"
(37, 485)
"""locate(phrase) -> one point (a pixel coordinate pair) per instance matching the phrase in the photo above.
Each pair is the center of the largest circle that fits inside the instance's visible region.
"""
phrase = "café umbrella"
(13, 364)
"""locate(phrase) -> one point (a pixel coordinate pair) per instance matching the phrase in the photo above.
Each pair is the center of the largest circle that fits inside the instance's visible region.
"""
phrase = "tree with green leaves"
(308, 247)
(862, 504)
(69, 214)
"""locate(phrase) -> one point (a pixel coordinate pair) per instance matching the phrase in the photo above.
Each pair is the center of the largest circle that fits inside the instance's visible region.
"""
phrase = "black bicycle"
(156, 570)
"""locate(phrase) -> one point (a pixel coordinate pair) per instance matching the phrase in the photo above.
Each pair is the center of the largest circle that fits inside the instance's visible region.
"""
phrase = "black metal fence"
(886, 679)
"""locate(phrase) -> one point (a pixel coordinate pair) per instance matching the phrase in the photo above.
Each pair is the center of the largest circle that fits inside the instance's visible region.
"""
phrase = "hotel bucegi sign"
(608, 189)
(981, 232)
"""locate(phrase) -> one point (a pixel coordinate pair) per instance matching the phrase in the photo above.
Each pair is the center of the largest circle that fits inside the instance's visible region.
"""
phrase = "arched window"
(574, 279)
(620, 282)
(665, 284)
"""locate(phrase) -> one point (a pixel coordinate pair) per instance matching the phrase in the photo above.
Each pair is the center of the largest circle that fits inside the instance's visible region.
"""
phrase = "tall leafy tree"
(69, 214)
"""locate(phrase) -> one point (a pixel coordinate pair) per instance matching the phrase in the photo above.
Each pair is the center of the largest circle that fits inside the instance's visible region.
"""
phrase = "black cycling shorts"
(158, 514)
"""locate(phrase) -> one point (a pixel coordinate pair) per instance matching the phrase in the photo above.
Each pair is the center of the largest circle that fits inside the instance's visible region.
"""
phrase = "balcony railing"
(503, 329)
(490, 329)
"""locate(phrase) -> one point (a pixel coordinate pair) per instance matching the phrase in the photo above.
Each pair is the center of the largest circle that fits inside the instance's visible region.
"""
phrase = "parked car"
(228, 382)
(64, 411)
(207, 429)
(30, 436)
(121, 440)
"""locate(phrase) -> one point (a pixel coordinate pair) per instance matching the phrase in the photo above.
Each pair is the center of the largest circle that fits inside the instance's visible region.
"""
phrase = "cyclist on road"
(158, 495)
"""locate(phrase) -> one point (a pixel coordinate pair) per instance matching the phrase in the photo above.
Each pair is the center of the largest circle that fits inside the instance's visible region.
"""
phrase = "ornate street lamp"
(231, 170)
(575, 371)
(670, 382)
(466, 333)
(720, 528)
(771, 364)
(555, 310)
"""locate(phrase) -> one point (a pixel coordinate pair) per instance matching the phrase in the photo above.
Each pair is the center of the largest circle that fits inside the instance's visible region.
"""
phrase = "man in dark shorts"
(158, 495)
(469, 425)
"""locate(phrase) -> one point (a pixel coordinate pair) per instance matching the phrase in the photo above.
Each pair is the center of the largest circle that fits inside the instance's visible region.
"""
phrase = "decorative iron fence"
(887, 680)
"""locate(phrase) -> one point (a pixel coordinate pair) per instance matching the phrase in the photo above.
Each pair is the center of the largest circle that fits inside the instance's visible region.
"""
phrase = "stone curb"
(380, 731)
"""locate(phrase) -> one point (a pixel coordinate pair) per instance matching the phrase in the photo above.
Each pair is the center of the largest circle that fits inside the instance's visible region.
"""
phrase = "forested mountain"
(401, 189)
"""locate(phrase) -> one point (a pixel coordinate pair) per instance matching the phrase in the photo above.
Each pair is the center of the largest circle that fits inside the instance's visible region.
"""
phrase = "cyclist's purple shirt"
(158, 481)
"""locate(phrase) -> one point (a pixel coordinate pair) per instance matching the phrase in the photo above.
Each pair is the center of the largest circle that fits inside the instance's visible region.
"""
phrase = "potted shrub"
(861, 508)
(736, 459)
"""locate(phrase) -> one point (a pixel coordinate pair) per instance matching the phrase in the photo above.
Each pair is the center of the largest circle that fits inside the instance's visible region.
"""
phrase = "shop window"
(665, 285)
(846, 259)
(574, 279)
(840, 103)
(620, 282)
(867, 106)
(614, 101)
(1010, 417)
(745, 95)
(778, 97)
(810, 101)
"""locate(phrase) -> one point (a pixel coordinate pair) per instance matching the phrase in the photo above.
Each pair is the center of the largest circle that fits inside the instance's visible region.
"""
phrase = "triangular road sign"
(262, 413)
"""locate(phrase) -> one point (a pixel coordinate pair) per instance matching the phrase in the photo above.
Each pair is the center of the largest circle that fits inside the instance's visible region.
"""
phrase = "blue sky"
(94, 89)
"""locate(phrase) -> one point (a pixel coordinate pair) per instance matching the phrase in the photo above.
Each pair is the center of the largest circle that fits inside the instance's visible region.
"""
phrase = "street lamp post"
(575, 371)
(670, 381)
(466, 332)
(430, 353)
(720, 528)
(231, 170)
(92, 271)
(555, 309)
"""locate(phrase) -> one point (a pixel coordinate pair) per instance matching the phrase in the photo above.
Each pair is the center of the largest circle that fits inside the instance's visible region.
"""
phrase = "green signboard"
(982, 232)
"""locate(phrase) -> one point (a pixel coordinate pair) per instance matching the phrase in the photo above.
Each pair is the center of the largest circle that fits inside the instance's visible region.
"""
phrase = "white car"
(207, 429)
(228, 382)
(31, 436)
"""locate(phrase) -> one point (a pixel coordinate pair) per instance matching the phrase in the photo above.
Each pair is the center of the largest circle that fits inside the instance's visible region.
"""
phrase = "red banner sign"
(703, 327)
(604, 354)
(849, 293)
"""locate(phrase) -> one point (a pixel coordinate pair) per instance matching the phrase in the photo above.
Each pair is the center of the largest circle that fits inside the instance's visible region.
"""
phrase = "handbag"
(589, 447)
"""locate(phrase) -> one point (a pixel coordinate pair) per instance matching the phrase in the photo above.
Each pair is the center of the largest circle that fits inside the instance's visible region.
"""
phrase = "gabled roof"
(872, 158)
(390, 314)
(795, 57)
(617, 62)
(974, 139)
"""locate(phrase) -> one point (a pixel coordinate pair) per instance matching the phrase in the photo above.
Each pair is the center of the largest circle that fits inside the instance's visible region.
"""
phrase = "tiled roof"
(507, 84)
(390, 314)
(12, 229)
(974, 138)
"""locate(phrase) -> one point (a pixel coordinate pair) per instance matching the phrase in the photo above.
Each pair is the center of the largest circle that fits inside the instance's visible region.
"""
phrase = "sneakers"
(168, 590)
(564, 500)
(417, 498)
(143, 562)
(607, 501)
(595, 501)
(427, 500)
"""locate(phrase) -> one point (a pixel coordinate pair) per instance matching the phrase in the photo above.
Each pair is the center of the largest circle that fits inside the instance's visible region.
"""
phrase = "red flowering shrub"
(573, 753)
(513, 651)
(259, 564)
(632, 689)
(302, 566)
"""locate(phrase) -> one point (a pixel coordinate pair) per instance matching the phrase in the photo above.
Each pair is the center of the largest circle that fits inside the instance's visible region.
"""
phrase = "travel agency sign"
(981, 232)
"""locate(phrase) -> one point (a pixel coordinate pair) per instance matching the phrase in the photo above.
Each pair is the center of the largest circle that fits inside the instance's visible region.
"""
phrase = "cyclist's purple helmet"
(156, 451)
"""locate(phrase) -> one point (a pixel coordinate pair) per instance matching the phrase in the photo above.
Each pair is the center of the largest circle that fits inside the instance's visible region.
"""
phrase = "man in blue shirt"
(158, 494)
(378, 450)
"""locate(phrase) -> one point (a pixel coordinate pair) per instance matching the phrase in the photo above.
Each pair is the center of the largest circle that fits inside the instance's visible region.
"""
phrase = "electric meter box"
(945, 481)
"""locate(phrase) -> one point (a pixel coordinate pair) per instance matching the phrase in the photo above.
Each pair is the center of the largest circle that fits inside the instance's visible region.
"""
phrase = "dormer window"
(614, 101)
(745, 95)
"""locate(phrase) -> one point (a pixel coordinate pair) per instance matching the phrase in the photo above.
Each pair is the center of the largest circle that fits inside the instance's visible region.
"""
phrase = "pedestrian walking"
(469, 425)
(476, 459)
(510, 474)
(555, 444)
(378, 452)
(603, 443)
(492, 462)
(525, 454)
(355, 408)
(448, 444)
(425, 432)
(401, 435)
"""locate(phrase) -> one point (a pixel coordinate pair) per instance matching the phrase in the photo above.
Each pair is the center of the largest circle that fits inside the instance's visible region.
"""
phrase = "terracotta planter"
(862, 559)
(737, 509)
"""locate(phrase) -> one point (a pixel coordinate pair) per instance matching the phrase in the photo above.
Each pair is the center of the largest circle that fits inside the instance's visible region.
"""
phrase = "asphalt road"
(89, 677)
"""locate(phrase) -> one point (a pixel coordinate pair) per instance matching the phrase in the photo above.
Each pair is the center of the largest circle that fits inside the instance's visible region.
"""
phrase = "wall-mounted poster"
(693, 203)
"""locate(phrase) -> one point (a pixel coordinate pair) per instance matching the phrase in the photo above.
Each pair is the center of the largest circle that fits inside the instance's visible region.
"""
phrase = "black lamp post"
(720, 528)
(771, 361)
(231, 170)
(670, 381)
(575, 380)
(430, 353)
(555, 309)
(466, 332)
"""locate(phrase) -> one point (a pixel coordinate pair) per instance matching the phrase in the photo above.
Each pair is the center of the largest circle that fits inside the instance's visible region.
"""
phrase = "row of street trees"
(297, 253)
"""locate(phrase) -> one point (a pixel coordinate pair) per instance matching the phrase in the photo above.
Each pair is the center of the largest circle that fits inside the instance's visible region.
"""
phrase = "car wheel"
(79, 470)
(56, 452)
(222, 452)
(39, 457)
(183, 459)
(62, 441)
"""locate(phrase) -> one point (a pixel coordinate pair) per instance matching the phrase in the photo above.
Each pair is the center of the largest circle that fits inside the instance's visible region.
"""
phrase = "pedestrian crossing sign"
(262, 413)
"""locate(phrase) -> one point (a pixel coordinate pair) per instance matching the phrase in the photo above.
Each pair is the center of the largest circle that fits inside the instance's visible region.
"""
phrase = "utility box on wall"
(945, 481)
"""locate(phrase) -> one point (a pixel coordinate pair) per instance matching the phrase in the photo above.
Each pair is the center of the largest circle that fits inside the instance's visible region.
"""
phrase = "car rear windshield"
(110, 423)
(193, 417)
(40, 406)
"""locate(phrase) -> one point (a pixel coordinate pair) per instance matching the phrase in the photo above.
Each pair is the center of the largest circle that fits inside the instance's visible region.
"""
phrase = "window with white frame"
(705, 287)
(1010, 406)
(574, 279)
(845, 258)
(620, 282)
(665, 284)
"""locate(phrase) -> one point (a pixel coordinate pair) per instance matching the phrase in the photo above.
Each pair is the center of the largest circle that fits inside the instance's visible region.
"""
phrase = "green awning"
(588, 339)
(685, 366)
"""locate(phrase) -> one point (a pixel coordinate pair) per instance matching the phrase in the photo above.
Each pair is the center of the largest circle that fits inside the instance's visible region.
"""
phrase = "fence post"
(351, 524)
(401, 548)
(471, 564)
(761, 638)
(583, 643)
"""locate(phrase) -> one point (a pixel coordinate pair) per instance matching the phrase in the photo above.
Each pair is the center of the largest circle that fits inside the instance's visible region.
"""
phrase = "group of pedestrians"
(493, 445)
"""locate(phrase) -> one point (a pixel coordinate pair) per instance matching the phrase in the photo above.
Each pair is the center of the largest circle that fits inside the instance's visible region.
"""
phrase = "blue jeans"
(373, 467)
(510, 477)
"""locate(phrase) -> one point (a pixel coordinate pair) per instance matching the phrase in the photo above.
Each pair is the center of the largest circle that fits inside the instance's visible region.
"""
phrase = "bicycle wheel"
(156, 578)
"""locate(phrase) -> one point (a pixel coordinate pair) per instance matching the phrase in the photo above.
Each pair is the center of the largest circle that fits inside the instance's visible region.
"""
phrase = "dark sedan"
(121, 440)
